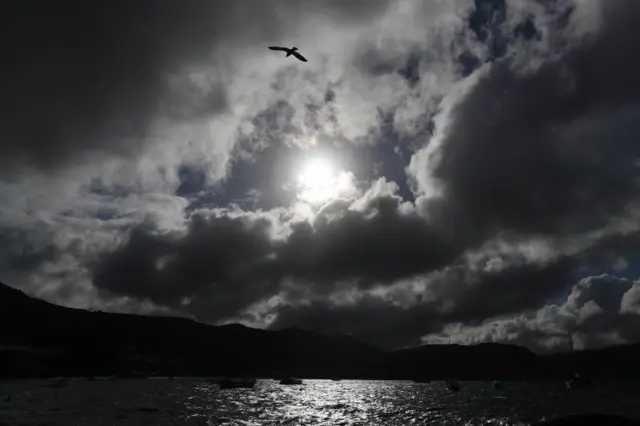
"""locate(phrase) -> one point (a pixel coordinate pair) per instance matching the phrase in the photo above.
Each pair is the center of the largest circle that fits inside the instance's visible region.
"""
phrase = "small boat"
(578, 382)
(131, 374)
(237, 383)
(452, 385)
(498, 384)
(336, 379)
(61, 382)
(290, 381)
(589, 419)
(421, 381)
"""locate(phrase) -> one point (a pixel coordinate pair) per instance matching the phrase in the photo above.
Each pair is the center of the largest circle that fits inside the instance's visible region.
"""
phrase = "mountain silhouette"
(38, 339)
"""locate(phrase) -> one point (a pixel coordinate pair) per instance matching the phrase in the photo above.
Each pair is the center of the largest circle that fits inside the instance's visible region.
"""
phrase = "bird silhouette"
(290, 51)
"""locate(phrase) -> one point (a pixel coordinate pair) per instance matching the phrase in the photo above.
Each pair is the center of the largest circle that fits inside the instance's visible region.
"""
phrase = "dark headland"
(40, 339)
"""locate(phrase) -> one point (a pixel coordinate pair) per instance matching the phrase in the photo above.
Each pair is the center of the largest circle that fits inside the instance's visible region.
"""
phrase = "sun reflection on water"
(317, 402)
(324, 402)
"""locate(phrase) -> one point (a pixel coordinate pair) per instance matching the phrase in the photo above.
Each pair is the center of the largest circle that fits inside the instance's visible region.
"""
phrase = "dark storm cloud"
(514, 289)
(234, 261)
(379, 244)
(21, 251)
(549, 149)
(540, 145)
(603, 305)
(456, 295)
(377, 321)
(577, 172)
(215, 260)
(225, 264)
(80, 77)
(599, 311)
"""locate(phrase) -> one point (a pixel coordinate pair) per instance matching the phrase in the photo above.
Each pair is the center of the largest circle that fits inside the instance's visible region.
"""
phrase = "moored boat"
(290, 381)
(237, 383)
(452, 385)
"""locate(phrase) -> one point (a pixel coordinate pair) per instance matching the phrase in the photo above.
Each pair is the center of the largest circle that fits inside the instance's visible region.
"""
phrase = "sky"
(439, 170)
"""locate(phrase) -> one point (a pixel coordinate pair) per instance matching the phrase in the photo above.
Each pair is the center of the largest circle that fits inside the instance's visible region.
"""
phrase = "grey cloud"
(457, 295)
(599, 311)
(548, 150)
(377, 244)
(213, 261)
(541, 143)
(82, 78)
(228, 261)
(23, 251)
(620, 264)
(226, 264)
(491, 293)
(374, 320)
(630, 303)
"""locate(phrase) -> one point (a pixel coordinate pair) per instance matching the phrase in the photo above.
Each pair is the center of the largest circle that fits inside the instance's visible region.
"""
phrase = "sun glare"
(317, 182)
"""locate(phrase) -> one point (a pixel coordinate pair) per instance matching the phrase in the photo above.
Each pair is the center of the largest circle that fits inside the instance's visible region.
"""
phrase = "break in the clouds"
(440, 169)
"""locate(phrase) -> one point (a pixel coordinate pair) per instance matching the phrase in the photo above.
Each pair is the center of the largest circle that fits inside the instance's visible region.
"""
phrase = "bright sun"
(317, 182)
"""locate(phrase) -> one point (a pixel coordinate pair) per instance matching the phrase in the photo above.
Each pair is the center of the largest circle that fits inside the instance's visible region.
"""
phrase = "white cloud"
(237, 98)
(630, 303)
(591, 312)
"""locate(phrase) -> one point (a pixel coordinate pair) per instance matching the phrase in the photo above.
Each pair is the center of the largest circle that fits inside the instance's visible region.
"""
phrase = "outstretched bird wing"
(299, 56)
(283, 49)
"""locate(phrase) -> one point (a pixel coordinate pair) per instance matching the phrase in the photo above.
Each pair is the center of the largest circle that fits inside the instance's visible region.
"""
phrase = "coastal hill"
(38, 338)
(47, 339)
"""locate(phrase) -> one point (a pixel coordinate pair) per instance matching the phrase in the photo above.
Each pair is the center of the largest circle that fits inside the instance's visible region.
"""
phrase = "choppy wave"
(318, 402)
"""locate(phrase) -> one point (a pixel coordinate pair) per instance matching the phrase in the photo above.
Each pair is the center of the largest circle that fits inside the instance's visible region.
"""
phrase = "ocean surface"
(187, 401)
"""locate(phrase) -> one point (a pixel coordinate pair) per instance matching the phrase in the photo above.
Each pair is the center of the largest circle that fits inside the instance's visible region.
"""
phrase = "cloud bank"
(490, 170)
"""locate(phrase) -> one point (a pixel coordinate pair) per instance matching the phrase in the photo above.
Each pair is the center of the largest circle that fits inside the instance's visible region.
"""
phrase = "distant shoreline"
(42, 340)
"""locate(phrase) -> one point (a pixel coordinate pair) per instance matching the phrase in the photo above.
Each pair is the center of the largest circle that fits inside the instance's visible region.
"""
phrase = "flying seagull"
(290, 51)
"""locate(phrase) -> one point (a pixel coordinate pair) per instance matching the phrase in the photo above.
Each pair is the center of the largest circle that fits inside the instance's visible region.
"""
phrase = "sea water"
(192, 401)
